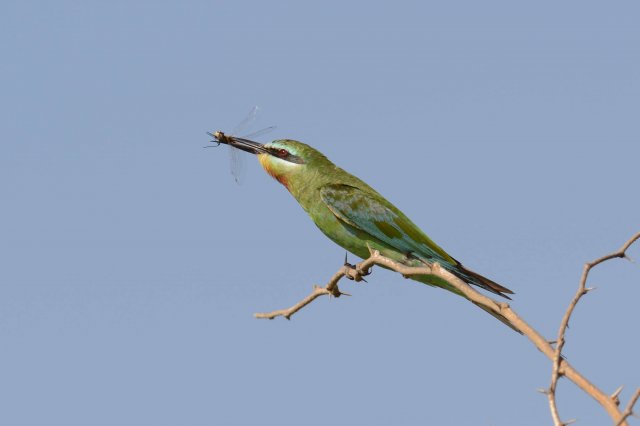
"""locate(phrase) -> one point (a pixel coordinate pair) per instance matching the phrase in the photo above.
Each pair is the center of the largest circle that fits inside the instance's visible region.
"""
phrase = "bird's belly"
(351, 239)
(361, 243)
(340, 233)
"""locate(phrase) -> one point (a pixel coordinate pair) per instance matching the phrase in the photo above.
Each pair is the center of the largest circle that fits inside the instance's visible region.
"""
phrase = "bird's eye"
(282, 153)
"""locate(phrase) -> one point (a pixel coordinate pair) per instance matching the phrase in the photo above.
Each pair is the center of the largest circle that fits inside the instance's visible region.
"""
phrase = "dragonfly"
(236, 161)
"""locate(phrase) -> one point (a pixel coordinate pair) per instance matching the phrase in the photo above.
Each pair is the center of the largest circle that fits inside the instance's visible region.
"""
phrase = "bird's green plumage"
(357, 217)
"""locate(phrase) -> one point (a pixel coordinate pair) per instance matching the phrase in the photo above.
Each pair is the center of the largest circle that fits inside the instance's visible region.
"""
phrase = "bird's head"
(283, 159)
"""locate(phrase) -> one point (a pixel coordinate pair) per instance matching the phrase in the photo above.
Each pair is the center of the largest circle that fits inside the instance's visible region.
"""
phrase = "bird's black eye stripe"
(285, 155)
(280, 152)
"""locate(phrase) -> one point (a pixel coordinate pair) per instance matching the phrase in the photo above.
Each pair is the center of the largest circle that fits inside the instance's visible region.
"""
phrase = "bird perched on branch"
(354, 215)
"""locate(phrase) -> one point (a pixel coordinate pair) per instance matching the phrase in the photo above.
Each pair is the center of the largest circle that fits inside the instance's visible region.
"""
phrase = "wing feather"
(380, 219)
(377, 217)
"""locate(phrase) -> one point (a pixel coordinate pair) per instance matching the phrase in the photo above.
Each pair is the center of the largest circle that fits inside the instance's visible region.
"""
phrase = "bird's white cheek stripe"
(275, 166)
(283, 164)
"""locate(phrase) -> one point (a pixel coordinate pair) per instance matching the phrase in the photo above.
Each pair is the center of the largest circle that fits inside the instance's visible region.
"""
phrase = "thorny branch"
(352, 272)
(561, 367)
(556, 372)
(629, 410)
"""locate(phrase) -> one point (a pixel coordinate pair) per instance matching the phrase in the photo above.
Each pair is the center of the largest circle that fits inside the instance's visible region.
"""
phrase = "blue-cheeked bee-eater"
(354, 215)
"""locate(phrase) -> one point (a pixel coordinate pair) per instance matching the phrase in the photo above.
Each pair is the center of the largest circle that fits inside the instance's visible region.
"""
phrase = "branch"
(501, 309)
(560, 340)
(629, 410)
(331, 289)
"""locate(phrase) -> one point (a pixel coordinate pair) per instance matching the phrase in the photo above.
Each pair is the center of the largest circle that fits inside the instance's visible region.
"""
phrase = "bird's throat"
(271, 168)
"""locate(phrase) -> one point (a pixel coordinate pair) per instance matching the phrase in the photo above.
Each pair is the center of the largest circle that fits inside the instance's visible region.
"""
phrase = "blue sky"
(132, 262)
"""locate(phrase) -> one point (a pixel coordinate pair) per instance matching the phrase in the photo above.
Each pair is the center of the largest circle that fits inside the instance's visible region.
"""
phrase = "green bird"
(354, 215)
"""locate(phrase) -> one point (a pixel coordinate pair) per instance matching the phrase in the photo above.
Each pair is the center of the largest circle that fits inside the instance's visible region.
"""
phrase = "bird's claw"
(354, 272)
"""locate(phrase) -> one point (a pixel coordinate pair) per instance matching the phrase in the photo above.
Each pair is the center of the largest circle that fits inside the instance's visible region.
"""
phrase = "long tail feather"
(483, 282)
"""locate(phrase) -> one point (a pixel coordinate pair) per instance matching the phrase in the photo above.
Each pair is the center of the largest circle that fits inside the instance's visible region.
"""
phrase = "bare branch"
(582, 290)
(347, 270)
(560, 366)
(629, 410)
(330, 289)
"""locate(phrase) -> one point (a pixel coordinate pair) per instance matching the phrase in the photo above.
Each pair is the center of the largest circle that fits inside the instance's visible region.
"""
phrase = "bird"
(354, 215)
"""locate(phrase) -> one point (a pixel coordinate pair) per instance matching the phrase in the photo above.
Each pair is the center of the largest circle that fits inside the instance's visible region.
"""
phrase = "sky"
(132, 262)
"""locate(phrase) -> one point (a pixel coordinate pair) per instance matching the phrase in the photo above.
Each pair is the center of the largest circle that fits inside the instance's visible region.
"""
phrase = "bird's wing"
(380, 219)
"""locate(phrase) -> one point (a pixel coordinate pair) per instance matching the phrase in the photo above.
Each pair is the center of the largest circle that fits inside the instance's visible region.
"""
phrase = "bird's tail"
(474, 278)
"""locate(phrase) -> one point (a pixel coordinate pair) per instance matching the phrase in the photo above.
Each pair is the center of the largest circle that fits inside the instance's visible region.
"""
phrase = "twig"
(629, 410)
(557, 356)
(563, 368)
(330, 289)
(616, 395)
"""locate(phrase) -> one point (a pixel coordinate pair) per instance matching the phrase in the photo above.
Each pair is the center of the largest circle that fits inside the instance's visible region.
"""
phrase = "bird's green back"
(358, 218)
(321, 187)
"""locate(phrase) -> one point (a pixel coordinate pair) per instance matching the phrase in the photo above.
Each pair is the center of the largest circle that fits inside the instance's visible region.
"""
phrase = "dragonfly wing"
(246, 121)
(236, 164)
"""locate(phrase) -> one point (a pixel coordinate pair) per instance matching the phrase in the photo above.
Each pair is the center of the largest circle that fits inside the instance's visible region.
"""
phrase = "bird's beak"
(240, 143)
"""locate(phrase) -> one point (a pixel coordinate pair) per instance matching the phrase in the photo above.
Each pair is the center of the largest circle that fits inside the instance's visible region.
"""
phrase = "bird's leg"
(354, 272)
(407, 260)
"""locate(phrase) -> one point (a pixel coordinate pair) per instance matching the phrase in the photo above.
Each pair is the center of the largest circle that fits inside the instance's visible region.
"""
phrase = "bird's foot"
(354, 272)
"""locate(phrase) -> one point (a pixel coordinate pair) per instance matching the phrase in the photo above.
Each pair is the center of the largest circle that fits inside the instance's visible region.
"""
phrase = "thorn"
(363, 273)
(370, 250)
(345, 258)
(626, 256)
(552, 342)
(362, 279)
(543, 391)
(568, 422)
(351, 274)
(614, 395)
(588, 289)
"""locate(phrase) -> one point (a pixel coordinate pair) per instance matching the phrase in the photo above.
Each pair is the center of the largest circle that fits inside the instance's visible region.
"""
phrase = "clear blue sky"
(131, 262)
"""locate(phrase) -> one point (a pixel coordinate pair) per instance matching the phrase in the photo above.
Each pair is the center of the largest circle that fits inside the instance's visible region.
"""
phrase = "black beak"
(240, 143)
